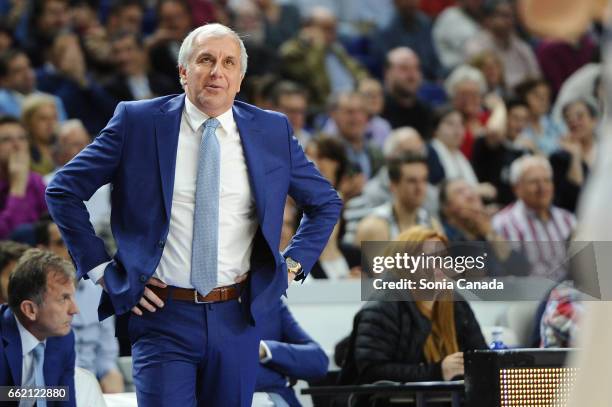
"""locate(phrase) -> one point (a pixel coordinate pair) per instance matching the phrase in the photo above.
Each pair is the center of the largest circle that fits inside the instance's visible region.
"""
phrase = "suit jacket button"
(143, 278)
(161, 244)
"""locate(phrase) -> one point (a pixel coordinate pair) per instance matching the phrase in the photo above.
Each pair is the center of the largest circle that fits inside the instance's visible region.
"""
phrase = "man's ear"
(182, 74)
(29, 309)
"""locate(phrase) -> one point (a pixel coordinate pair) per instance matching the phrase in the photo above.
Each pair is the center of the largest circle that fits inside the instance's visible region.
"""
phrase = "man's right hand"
(149, 300)
(452, 366)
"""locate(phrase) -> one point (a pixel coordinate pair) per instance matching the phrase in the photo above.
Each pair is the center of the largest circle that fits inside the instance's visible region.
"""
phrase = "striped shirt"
(543, 242)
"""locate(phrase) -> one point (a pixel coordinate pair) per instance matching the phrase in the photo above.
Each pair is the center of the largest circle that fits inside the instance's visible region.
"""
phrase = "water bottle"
(497, 342)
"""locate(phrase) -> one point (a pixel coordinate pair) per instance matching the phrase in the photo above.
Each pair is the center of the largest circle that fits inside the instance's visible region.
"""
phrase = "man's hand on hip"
(149, 300)
(290, 277)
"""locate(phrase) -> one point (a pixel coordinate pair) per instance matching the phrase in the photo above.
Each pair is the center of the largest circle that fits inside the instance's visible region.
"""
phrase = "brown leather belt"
(218, 294)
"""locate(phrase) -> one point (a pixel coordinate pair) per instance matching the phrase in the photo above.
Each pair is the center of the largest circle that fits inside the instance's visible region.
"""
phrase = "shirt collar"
(28, 341)
(196, 118)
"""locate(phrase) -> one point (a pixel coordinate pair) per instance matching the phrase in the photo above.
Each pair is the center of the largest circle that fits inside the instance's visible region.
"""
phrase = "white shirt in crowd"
(237, 212)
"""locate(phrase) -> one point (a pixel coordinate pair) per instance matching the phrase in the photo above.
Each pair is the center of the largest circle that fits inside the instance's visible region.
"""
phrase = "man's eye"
(229, 62)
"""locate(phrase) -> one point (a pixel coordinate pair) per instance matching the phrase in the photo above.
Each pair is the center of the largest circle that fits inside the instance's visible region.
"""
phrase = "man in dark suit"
(199, 187)
(287, 354)
(134, 80)
(37, 346)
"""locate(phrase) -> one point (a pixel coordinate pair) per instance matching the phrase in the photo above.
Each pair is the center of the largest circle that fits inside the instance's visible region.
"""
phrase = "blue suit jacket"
(136, 152)
(59, 358)
(295, 355)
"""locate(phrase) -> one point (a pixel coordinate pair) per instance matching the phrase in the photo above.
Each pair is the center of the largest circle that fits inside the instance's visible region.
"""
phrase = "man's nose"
(74, 309)
(215, 69)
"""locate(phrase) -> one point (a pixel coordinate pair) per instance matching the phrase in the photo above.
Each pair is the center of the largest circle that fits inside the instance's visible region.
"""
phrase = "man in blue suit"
(287, 354)
(199, 187)
(37, 343)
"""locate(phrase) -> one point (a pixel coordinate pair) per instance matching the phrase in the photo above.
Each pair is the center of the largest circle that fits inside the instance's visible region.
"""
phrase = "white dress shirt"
(28, 343)
(237, 213)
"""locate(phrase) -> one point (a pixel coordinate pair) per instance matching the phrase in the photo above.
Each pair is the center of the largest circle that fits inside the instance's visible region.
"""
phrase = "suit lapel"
(167, 127)
(252, 145)
(10, 336)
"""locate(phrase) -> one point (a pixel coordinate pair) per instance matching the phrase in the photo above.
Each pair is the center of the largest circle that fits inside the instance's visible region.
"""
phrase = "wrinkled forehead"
(59, 283)
(225, 45)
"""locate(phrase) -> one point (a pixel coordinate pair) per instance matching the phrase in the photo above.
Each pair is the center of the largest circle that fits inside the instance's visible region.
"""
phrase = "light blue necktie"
(204, 245)
(39, 378)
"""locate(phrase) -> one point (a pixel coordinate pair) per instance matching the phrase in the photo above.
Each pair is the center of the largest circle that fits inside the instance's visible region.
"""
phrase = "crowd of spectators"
(447, 115)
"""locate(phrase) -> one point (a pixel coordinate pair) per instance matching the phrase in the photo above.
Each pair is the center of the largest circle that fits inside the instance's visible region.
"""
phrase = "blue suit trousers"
(187, 354)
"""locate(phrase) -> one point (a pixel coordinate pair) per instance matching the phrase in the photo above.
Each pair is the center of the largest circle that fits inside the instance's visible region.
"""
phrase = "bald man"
(402, 80)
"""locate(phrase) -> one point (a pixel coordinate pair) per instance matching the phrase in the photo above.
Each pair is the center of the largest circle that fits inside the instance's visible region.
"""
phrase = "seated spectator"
(45, 20)
(349, 112)
(411, 341)
(286, 354)
(492, 156)
(249, 22)
(409, 28)
(65, 75)
(517, 119)
(72, 137)
(466, 219)
(338, 260)
(378, 128)
(408, 185)
(18, 80)
(402, 80)
(573, 162)
(453, 28)
(38, 343)
(377, 191)
(466, 87)
(559, 325)
(541, 129)
(463, 213)
(499, 35)
(174, 23)
(39, 117)
(316, 59)
(134, 80)
(124, 16)
(489, 64)
(92, 37)
(559, 59)
(585, 83)
(292, 100)
(533, 222)
(10, 252)
(22, 192)
(444, 158)
(97, 349)
(281, 21)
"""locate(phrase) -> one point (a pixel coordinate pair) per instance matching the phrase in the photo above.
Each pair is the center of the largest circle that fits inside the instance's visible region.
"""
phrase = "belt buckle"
(195, 298)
